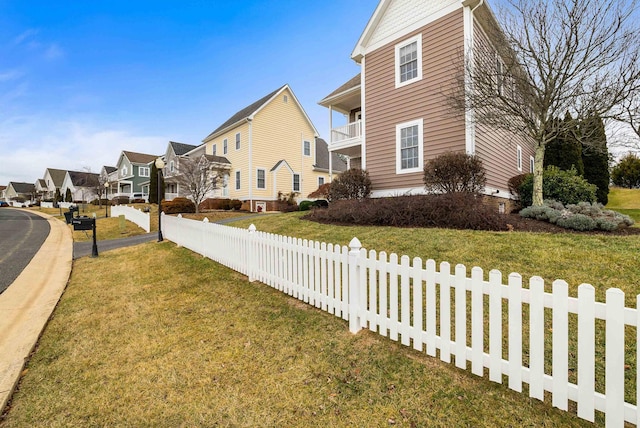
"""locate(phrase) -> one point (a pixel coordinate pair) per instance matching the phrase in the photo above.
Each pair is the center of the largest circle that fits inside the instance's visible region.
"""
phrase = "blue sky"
(82, 81)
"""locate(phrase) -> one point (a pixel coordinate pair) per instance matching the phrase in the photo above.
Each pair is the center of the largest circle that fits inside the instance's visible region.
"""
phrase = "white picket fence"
(134, 215)
(422, 305)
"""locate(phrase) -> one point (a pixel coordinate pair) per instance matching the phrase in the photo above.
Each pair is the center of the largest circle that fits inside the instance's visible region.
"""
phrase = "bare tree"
(549, 58)
(198, 177)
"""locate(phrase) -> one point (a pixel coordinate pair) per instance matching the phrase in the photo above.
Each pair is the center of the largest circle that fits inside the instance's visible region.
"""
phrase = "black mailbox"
(74, 208)
(82, 223)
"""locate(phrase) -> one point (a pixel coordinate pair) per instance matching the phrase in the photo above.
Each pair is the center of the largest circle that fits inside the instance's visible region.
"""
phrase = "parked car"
(3, 204)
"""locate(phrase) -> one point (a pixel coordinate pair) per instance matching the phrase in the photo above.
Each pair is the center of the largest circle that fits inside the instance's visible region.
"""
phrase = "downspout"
(250, 122)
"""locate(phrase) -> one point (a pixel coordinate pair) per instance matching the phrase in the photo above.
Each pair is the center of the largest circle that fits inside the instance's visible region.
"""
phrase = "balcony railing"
(346, 132)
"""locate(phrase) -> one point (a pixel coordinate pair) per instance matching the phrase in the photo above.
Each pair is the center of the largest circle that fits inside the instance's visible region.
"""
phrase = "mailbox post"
(87, 223)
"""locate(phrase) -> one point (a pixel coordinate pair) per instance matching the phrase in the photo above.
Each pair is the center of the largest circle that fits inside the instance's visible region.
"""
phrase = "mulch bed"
(522, 224)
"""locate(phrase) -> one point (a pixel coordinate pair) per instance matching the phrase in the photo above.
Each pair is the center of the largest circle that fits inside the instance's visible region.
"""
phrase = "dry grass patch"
(154, 335)
(213, 216)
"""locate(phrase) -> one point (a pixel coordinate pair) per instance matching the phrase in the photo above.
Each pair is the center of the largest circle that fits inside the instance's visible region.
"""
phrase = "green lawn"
(625, 201)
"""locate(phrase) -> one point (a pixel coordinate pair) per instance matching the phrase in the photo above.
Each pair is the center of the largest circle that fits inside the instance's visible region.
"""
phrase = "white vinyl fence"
(134, 215)
(451, 315)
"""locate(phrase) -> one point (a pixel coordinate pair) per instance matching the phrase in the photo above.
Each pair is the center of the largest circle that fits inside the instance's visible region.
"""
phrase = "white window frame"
(532, 164)
(519, 158)
(214, 149)
(172, 166)
(144, 171)
(264, 178)
(285, 99)
(293, 183)
(417, 39)
(399, 128)
(225, 146)
(306, 148)
(320, 181)
(238, 141)
(123, 171)
(225, 185)
(238, 180)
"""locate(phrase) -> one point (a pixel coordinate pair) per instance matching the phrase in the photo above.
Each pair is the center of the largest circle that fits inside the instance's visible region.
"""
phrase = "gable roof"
(40, 182)
(83, 179)
(280, 164)
(217, 159)
(180, 148)
(351, 84)
(322, 158)
(57, 175)
(139, 158)
(22, 187)
(251, 110)
(109, 169)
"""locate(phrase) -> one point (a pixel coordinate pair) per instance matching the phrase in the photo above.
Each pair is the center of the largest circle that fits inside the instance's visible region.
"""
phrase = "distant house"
(397, 112)
(53, 179)
(20, 192)
(177, 151)
(273, 148)
(41, 188)
(109, 176)
(2, 193)
(84, 186)
(134, 170)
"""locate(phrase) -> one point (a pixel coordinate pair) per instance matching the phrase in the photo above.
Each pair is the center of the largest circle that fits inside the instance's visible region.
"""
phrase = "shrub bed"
(453, 211)
(583, 216)
(178, 205)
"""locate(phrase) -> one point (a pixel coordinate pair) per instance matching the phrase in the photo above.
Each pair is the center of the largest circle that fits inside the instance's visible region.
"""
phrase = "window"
(409, 61)
(238, 141)
(409, 147)
(172, 166)
(261, 179)
(519, 157)
(123, 171)
(225, 185)
(237, 180)
(320, 181)
(296, 182)
(215, 149)
(285, 99)
(307, 148)
(143, 171)
(224, 146)
(532, 163)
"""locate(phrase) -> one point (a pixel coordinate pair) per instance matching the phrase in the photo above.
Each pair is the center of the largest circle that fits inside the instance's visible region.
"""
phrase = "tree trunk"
(538, 170)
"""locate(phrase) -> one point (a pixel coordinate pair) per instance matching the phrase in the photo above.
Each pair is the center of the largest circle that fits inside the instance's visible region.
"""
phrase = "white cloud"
(24, 36)
(53, 52)
(8, 75)
(33, 144)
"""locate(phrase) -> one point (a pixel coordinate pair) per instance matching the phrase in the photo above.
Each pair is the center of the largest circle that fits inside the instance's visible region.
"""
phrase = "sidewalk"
(25, 307)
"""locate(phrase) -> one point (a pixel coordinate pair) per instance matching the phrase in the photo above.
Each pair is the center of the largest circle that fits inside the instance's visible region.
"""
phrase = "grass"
(625, 201)
(204, 347)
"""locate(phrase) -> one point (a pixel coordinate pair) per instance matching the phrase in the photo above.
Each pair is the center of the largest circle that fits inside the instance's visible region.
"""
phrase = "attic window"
(285, 99)
(307, 148)
(409, 61)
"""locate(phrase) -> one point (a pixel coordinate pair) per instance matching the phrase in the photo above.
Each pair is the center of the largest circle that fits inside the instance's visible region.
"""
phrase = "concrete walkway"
(25, 307)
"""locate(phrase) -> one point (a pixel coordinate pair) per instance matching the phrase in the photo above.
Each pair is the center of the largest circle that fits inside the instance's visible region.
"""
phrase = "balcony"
(347, 139)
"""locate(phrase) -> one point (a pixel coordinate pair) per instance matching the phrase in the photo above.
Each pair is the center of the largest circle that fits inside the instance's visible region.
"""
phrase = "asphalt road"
(21, 235)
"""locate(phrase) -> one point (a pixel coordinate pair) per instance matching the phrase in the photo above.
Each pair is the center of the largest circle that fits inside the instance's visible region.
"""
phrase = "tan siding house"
(398, 112)
(273, 148)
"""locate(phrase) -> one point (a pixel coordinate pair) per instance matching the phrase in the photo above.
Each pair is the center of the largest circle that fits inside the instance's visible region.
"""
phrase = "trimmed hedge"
(178, 205)
(452, 210)
(562, 186)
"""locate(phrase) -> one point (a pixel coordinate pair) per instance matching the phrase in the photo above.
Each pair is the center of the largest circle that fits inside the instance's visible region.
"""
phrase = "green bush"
(562, 186)
(305, 205)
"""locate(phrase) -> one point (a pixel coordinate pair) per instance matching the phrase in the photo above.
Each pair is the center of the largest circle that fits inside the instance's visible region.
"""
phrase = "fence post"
(251, 253)
(355, 322)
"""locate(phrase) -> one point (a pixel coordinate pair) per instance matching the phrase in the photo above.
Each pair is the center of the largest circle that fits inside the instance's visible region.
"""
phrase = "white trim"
(214, 149)
(363, 124)
(238, 140)
(532, 163)
(264, 170)
(304, 147)
(140, 174)
(469, 117)
(409, 191)
(225, 146)
(321, 177)
(399, 128)
(417, 39)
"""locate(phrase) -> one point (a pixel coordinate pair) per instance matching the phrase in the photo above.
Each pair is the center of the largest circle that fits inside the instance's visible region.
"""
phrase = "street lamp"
(106, 197)
(159, 167)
